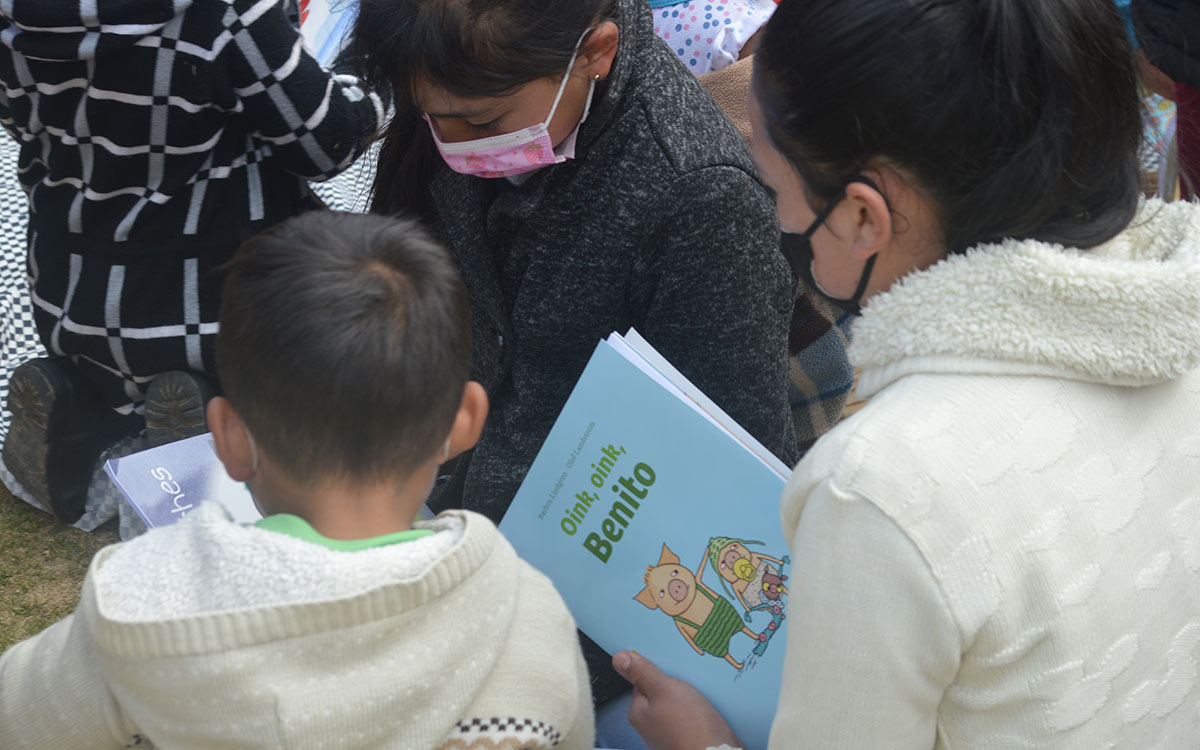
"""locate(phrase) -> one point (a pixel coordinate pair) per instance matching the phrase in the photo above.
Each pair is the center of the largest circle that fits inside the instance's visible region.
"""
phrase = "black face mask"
(797, 249)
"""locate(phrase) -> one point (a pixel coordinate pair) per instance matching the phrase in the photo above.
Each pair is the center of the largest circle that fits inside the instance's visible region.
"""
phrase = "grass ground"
(42, 564)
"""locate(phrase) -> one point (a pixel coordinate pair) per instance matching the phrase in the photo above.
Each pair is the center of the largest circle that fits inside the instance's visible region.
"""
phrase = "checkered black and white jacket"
(155, 136)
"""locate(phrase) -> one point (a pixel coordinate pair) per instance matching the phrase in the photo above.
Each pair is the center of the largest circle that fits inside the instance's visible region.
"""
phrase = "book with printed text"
(657, 518)
(166, 483)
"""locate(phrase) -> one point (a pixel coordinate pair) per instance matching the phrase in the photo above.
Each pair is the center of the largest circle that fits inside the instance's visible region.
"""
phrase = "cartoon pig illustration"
(757, 579)
(707, 621)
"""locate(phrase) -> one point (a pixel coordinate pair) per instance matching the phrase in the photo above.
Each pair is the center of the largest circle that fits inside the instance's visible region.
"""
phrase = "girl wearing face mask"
(584, 183)
(1002, 548)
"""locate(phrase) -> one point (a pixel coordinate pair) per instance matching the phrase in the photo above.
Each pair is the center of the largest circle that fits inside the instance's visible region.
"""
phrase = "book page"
(639, 361)
(642, 353)
(166, 483)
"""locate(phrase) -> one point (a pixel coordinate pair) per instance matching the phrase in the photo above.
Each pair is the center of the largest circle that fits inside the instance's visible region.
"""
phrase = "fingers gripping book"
(657, 518)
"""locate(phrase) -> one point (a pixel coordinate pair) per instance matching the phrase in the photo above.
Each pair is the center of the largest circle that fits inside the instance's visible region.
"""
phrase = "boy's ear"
(231, 439)
(599, 51)
(468, 423)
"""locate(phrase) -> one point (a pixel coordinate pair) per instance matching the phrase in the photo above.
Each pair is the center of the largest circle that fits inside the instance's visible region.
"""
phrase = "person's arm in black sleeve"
(317, 122)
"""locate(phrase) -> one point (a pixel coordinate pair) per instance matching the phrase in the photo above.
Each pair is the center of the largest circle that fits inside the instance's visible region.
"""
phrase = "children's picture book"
(657, 518)
(325, 26)
(164, 484)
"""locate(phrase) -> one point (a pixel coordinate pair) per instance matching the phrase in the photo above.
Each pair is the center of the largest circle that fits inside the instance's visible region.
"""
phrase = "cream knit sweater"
(1002, 549)
(209, 634)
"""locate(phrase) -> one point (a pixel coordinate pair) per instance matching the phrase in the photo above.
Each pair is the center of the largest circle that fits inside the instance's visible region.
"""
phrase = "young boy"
(344, 352)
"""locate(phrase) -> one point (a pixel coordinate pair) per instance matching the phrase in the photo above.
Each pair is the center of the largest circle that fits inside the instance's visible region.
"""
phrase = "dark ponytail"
(1017, 118)
(467, 47)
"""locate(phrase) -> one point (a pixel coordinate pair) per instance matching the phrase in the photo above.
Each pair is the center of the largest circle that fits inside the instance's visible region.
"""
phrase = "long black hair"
(1017, 118)
(467, 47)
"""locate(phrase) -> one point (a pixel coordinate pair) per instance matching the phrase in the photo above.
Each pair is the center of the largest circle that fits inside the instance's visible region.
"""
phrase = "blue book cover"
(164, 484)
(659, 525)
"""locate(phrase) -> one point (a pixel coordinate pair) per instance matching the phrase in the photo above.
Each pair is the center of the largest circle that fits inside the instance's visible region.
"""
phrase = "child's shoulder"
(535, 592)
(541, 657)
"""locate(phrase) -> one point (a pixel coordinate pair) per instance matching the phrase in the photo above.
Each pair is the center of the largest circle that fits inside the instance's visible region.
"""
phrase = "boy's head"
(345, 347)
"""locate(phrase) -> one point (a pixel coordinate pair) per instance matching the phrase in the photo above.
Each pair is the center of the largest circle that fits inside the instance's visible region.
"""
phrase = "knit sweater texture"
(156, 136)
(211, 634)
(1002, 548)
(147, 120)
(659, 223)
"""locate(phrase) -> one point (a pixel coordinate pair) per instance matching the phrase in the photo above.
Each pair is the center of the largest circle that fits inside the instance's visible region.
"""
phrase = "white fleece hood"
(1124, 313)
(213, 634)
(207, 634)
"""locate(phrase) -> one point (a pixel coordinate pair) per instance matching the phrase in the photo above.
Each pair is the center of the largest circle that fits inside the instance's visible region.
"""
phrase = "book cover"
(325, 26)
(164, 484)
(661, 530)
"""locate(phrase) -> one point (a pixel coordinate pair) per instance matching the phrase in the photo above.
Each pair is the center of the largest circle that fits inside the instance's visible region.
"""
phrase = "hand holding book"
(670, 714)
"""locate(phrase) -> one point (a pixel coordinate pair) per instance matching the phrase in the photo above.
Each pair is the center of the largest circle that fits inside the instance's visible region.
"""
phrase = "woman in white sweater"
(1002, 549)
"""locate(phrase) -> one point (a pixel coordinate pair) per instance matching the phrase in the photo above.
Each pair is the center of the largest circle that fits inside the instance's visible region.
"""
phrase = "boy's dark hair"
(345, 344)
(1017, 118)
(470, 48)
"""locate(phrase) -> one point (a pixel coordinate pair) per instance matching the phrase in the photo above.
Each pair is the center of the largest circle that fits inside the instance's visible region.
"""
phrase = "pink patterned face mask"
(513, 153)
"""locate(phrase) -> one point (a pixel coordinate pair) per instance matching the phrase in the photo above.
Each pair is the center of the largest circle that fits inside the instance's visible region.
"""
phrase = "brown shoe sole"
(32, 394)
(60, 427)
(175, 407)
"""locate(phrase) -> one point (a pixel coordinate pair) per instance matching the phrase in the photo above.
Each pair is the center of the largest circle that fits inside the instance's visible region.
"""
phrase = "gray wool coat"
(659, 223)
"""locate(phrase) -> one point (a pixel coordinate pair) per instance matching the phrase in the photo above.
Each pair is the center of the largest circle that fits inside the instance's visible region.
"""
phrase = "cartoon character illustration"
(755, 581)
(705, 618)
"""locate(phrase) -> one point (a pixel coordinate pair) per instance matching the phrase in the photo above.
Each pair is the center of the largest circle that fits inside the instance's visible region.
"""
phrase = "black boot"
(175, 404)
(60, 426)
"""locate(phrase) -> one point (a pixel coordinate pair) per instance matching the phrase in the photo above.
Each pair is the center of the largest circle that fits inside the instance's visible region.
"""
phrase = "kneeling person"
(344, 352)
